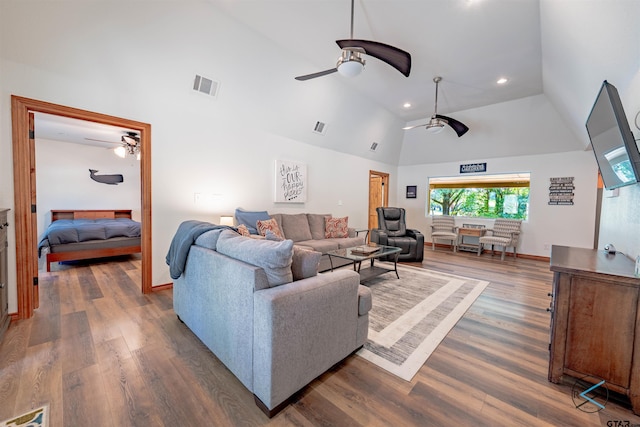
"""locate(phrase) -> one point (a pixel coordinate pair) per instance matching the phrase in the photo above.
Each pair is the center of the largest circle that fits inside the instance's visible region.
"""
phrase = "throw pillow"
(269, 224)
(317, 225)
(270, 235)
(243, 230)
(336, 227)
(250, 219)
(304, 263)
(273, 257)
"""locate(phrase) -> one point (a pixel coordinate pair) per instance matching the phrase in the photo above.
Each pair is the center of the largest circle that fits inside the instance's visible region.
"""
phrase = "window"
(486, 196)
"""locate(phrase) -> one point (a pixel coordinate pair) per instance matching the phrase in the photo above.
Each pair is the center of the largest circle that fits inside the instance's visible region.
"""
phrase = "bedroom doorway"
(378, 195)
(24, 172)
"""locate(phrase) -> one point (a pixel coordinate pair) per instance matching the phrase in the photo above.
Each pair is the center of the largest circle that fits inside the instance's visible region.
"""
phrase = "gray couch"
(308, 230)
(274, 333)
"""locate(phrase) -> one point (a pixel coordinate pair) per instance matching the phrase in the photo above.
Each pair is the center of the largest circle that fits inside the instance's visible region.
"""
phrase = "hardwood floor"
(101, 354)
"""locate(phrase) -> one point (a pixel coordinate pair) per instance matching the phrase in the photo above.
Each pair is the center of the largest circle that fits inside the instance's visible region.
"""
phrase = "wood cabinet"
(595, 324)
(4, 275)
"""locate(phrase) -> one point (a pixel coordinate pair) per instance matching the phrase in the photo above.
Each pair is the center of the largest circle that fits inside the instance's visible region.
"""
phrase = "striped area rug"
(413, 314)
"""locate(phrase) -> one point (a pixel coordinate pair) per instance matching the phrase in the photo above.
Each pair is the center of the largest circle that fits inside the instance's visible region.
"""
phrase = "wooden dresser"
(4, 276)
(595, 328)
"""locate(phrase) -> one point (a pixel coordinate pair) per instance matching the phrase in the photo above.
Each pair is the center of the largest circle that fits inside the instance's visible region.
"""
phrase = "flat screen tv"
(612, 141)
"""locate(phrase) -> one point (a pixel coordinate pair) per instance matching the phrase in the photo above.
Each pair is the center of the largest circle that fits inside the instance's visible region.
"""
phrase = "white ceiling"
(470, 43)
(59, 128)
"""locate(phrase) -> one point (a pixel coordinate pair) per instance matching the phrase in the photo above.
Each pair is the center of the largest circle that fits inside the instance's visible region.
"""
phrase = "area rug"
(413, 314)
(36, 418)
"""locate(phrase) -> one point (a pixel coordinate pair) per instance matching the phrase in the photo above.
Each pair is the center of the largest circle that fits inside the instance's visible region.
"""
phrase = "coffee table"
(373, 270)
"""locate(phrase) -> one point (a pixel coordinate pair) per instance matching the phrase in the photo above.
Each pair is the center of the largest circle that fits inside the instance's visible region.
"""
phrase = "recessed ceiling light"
(407, 105)
(502, 80)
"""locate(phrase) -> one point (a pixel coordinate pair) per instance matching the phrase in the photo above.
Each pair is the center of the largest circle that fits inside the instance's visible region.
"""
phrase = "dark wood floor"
(101, 354)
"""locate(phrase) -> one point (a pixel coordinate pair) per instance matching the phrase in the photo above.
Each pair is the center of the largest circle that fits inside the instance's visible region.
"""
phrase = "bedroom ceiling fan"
(437, 122)
(351, 63)
(129, 144)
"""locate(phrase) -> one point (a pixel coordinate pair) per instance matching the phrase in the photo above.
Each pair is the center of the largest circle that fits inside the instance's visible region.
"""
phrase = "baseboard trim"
(162, 287)
(508, 254)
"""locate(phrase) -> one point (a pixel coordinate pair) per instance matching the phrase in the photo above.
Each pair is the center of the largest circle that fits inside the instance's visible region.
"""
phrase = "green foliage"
(507, 202)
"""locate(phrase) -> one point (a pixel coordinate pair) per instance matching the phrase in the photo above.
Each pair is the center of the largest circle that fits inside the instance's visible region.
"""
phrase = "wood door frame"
(385, 182)
(24, 191)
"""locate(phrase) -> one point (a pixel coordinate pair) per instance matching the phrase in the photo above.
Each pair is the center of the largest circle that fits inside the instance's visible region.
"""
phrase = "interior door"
(378, 195)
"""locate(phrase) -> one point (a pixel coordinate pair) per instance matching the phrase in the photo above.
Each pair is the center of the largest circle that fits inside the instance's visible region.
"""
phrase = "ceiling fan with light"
(130, 145)
(437, 122)
(351, 62)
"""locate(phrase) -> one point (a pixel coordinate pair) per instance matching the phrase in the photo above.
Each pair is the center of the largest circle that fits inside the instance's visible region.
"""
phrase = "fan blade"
(102, 140)
(413, 127)
(397, 58)
(318, 74)
(459, 127)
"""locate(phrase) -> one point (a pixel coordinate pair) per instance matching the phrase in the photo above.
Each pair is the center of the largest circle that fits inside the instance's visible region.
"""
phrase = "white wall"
(547, 224)
(620, 221)
(63, 182)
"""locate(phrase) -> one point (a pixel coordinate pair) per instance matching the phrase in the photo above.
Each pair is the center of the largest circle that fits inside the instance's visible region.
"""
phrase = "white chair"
(505, 233)
(444, 227)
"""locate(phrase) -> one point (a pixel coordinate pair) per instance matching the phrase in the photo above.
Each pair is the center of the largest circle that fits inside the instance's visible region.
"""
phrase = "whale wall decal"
(112, 179)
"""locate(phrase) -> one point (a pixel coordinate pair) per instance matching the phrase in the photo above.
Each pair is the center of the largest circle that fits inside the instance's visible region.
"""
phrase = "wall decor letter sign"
(291, 182)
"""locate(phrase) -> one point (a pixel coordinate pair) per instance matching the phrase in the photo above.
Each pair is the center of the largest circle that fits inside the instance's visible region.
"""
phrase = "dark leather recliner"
(392, 231)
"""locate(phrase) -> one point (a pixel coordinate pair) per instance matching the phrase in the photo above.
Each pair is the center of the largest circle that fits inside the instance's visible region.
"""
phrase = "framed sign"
(291, 182)
(473, 168)
(412, 191)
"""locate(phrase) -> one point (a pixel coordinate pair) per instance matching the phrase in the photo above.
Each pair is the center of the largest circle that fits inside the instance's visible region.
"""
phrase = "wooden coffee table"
(357, 258)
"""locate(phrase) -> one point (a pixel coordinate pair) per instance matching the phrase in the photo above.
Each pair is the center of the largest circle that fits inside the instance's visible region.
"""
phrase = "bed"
(87, 234)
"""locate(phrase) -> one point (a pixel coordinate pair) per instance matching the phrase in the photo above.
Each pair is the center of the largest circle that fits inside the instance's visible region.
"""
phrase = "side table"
(469, 230)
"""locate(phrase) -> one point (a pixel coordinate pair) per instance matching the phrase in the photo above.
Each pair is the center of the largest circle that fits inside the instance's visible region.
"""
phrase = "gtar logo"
(590, 394)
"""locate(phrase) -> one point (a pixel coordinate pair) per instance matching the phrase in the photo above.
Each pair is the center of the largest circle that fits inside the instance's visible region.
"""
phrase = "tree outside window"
(496, 196)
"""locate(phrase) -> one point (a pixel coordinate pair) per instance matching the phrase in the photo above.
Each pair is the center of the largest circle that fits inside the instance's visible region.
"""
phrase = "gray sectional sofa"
(261, 308)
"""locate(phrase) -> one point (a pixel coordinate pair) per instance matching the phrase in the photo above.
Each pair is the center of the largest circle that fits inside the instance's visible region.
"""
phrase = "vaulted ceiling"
(553, 53)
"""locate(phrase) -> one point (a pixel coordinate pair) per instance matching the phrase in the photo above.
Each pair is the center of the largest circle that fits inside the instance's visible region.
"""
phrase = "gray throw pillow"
(273, 257)
(270, 235)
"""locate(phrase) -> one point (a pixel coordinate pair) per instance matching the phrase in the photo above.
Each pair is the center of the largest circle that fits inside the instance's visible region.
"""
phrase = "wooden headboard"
(89, 214)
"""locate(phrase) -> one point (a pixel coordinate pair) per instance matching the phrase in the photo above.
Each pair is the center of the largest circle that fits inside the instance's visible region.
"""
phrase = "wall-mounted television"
(612, 141)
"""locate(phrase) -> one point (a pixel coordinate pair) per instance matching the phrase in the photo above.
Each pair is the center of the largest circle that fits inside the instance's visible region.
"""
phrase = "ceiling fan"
(351, 62)
(129, 144)
(437, 122)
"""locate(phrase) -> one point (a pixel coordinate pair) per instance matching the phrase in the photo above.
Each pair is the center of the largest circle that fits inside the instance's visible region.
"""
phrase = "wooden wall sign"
(561, 191)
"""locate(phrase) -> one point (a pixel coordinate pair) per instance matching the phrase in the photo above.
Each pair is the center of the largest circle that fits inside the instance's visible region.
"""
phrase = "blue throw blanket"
(186, 235)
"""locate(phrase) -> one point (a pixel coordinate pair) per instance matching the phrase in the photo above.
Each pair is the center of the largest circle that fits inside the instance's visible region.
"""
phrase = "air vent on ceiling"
(205, 85)
(373, 146)
(320, 128)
